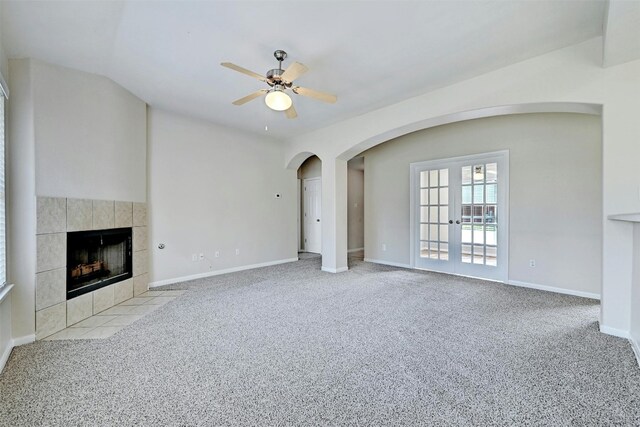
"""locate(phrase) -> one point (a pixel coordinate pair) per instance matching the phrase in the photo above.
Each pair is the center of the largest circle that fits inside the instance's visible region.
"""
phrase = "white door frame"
(304, 210)
(414, 197)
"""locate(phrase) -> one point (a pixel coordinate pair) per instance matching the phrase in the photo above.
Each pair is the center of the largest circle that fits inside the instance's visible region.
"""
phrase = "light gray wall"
(213, 189)
(555, 192)
(355, 208)
(90, 136)
(21, 200)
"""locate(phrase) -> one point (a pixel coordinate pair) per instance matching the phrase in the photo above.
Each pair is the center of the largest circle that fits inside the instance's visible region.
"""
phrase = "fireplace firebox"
(96, 259)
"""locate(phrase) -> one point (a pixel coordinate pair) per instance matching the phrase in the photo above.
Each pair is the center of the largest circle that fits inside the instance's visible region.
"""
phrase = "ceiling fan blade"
(243, 71)
(248, 98)
(291, 113)
(294, 71)
(320, 96)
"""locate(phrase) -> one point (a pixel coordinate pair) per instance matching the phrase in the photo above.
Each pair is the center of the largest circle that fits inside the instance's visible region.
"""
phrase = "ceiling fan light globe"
(278, 100)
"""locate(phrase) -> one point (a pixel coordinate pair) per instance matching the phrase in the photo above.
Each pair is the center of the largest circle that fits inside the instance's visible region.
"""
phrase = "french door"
(459, 215)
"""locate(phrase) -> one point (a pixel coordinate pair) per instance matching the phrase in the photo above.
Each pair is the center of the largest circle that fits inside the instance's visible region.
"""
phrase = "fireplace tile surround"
(55, 217)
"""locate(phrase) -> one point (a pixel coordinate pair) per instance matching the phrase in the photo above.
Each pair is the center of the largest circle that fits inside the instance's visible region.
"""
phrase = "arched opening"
(309, 210)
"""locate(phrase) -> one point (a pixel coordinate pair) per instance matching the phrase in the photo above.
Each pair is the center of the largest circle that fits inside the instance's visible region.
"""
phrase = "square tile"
(139, 238)
(123, 291)
(103, 214)
(136, 301)
(101, 332)
(116, 311)
(79, 214)
(93, 321)
(140, 263)
(51, 251)
(140, 284)
(160, 300)
(103, 298)
(51, 288)
(69, 334)
(123, 320)
(124, 214)
(79, 308)
(51, 320)
(152, 294)
(139, 214)
(143, 309)
(51, 215)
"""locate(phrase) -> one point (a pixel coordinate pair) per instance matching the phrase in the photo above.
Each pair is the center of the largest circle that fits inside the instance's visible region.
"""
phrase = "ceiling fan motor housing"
(273, 78)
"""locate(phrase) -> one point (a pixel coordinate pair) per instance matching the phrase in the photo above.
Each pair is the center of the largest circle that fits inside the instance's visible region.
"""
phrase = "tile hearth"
(112, 320)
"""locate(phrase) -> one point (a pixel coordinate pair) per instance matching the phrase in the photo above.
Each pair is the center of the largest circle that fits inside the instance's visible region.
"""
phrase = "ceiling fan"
(279, 81)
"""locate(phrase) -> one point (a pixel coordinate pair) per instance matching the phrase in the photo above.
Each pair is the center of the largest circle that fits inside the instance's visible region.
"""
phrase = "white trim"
(4, 292)
(613, 331)
(27, 339)
(636, 349)
(219, 272)
(553, 289)
(355, 250)
(15, 342)
(334, 270)
(6, 354)
(391, 263)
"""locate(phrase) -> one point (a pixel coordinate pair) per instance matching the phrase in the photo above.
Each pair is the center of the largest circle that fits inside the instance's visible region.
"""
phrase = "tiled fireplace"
(100, 275)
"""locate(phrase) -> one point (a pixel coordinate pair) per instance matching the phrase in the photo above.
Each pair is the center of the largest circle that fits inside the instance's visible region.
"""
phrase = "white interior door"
(460, 215)
(312, 215)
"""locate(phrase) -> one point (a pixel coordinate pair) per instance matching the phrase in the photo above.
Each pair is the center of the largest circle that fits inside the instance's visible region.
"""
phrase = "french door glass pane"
(479, 195)
(434, 214)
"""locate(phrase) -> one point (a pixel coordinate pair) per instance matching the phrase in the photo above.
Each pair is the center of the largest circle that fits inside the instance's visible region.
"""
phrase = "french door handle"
(457, 221)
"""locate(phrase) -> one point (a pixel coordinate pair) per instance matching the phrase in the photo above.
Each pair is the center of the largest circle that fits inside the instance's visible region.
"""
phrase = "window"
(3, 240)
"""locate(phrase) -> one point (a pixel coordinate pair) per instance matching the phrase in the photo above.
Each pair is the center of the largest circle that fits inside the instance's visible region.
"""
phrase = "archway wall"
(565, 77)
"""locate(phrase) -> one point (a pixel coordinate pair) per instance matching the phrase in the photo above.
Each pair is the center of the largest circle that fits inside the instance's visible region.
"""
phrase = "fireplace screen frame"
(75, 236)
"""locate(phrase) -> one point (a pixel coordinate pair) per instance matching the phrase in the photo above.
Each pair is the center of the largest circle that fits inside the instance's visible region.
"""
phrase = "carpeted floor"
(290, 345)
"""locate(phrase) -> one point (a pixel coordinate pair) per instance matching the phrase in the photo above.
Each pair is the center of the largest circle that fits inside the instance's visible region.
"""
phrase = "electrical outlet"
(384, 247)
(201, 257)
(194, 257)
(217, 254)
(532, 263)
(237, 251)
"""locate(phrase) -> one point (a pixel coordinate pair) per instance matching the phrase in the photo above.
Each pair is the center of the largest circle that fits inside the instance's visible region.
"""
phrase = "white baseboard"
(355, 250)
(219, 272)
(27, 339)
(334, 270)
(636, 349)
(553, 289)
(392, 264)
(10, 345)
(5, 355)
(613, 331)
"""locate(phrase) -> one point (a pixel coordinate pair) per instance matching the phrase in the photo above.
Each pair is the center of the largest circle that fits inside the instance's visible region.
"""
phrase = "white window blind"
(3, 240)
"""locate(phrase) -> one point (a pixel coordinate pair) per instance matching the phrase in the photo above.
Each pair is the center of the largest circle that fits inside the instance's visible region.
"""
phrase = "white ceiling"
(370, 54)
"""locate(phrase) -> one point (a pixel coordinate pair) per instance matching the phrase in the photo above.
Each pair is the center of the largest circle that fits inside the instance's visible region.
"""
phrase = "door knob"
(317, 220)
(457, 221)
(450, 221)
